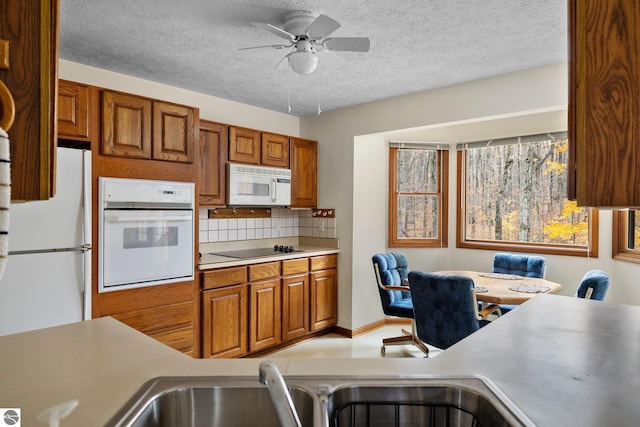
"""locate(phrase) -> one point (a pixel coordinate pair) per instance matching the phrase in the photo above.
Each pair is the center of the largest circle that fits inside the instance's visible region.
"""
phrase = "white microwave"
(249, 185)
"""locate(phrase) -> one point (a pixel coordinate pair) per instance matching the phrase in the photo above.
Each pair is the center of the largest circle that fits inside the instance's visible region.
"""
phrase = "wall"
(353, 171)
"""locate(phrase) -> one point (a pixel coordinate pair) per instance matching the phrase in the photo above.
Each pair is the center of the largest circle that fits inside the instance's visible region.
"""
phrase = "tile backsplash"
(283, 223)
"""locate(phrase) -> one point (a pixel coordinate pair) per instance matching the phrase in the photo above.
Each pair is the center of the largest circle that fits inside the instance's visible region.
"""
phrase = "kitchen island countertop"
(562, 361)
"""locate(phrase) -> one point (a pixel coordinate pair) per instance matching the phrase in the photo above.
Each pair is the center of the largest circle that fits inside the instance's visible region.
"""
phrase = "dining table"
(500, 288)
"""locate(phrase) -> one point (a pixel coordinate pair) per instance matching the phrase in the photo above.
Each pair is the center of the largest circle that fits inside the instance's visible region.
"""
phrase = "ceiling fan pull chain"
(288, 99)
(318, 101)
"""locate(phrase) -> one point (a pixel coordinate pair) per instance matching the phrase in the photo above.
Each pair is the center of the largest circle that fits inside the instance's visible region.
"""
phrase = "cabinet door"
(264, 315)
(295, 306)
(126, 125)
(604, 151)
(275, 150)
(324, 302)
(31, 29)
(224, 322)
(211, 163)
(172, 132)
(73, 111)
(244, 145)
(304, 173)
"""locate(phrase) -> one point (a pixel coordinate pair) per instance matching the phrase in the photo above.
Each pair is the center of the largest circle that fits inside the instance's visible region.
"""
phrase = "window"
(626, 235)
(418, 196)
(512, 196)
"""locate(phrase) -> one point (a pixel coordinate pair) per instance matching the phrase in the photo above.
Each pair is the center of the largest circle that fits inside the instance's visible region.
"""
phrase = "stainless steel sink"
(322, 401)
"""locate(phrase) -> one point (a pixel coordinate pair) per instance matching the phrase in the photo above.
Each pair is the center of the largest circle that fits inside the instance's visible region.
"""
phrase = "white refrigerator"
(49, 265)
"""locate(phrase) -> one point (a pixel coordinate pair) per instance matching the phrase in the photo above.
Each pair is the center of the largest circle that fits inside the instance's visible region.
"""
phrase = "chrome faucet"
(282, 402)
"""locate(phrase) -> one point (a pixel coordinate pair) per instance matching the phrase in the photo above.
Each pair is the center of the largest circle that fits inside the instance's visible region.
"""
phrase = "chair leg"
(406, 338)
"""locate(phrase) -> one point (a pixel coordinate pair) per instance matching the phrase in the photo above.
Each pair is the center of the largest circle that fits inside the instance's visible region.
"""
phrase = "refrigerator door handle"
(83, 248)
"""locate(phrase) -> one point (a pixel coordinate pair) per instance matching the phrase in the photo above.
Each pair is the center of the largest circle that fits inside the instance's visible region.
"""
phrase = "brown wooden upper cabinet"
(244, 145)
(258, 148)
(304, 172)
(604, 88)
(73, 111)
(142, 128)
(31, 29)
(274, 150)
(212, 156)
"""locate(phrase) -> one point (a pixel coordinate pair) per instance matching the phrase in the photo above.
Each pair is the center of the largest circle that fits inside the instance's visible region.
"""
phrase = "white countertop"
(562, 361)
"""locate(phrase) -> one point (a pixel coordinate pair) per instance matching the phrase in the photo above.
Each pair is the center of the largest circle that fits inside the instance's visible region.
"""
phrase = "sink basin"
(453, 402)
(207, 401)
(321, 401)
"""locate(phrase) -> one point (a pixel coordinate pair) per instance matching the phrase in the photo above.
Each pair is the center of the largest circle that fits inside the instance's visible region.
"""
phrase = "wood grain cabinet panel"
(304, 173)
(244, 145)
(172, 132)
(31, 29)
(264, 314)
(224, 322)
(604, 88)
(224, 277)
(213, 152)
(126, 125)
(274, 150)
(324, 293)
(73, 111)
(295, 306)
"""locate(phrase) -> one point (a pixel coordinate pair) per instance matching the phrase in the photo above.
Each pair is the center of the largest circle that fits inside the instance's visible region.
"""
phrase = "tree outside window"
(513, 196)
(626, 235)
(418, 197)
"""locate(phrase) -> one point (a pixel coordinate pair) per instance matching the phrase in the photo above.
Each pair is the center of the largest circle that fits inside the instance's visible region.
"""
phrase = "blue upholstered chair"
(594, 285)
(445, 308)
(519, 265)
(391, 270)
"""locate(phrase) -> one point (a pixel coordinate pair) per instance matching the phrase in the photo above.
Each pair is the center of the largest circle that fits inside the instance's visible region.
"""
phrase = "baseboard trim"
(349, 333)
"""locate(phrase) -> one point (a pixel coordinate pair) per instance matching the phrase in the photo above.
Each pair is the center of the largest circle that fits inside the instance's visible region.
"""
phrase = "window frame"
(591, 250)
(619, 248)
(442, 241)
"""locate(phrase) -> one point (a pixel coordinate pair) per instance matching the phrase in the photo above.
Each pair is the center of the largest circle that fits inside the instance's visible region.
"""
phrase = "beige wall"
(353, 172)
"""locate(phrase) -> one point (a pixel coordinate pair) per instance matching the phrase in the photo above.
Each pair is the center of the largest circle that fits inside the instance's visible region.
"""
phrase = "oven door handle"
(126, 218)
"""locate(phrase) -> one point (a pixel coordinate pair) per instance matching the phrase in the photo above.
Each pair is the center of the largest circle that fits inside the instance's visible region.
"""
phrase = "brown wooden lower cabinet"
(295, 306)
(172, 324)
(324, 292)
(265, 314)
(247, 309)
(224, 322)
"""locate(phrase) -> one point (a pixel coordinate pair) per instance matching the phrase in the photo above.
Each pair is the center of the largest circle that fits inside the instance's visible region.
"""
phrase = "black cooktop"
(251, 253)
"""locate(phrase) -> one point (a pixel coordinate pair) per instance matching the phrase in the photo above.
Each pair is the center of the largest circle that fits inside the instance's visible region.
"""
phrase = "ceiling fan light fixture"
(303, 62)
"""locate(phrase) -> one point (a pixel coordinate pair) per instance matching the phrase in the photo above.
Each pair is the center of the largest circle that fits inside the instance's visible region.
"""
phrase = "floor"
(363, 346)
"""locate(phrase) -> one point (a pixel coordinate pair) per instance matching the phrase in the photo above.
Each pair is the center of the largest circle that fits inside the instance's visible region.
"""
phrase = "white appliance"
(258, 185)
(49, 263)
(146, 233)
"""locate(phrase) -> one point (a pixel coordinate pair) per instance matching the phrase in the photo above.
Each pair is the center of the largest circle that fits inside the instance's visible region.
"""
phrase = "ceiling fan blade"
(279, 32)
(347, 44)
(321, 27)
(275, 46)
(277, 67)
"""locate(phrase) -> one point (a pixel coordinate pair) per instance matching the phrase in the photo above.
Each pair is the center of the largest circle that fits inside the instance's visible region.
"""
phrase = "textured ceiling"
(415, 45)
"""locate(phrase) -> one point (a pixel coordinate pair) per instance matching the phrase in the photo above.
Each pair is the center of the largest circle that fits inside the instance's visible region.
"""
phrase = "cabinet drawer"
(156, 319)
(323, 262)
(264, 271)
(224, 277)
(293, 266)
(180, 339)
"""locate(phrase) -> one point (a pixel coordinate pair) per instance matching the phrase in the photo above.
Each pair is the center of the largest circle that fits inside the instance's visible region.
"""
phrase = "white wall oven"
(146, 233)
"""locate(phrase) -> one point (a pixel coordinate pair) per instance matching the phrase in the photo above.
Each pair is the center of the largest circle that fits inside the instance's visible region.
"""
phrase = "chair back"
(521, 265)
(594, 285)
(443, 308)
(391, 269)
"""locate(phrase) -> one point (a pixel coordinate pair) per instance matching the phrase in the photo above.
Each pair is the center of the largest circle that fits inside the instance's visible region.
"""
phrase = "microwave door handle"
(273, 189)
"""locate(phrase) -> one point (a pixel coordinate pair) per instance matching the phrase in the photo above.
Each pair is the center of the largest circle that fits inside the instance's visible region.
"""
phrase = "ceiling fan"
(307, 35)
